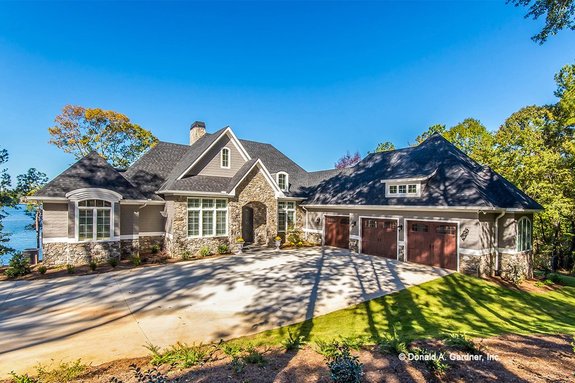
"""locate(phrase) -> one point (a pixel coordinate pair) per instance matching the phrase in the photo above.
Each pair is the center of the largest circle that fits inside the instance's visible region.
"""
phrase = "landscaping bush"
(18, 266)
(42, 269)
(205, 251)
(461, 341)
(71, 269)
(231, 349)
(64, 372)
(186, 255)
(223, 249)
(393, 345)
(344, 367)
(93, 265)
(555, 278)
(237, 364)
(253, 356)
(148, 376)
(113, 261)
(22, 378)
(136, 260)
(156, 248)
(325, 348)
(293, 343)
(180, 354)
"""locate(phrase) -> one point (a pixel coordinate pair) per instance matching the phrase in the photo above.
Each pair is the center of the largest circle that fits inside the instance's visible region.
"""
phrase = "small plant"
(205, 251)
(155, 248)
(253, 356)
(223, 249)
(42, 269)
(237, 364)
(148, 376)
(24, 378)
(394, 345)
(344, 367)
(18, 266)
(240, 240)
(71, 269)
(180, 354)
(113, 261)
(136, 260)
(461, 341)
(93, 265)
(434, 361)
(293, 343)
(325, 348)
(64, 372)
(573, 344)
(231, 349)
(186, 255)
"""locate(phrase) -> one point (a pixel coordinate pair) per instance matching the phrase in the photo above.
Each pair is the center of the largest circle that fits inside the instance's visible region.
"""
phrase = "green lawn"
(455, 303)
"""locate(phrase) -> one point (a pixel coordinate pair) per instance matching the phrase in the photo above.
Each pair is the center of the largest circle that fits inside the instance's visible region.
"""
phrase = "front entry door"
(248, 224)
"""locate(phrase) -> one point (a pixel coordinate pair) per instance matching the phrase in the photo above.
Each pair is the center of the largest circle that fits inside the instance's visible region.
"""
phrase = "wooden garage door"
(379, 237)
(432, 243)
(337, 231)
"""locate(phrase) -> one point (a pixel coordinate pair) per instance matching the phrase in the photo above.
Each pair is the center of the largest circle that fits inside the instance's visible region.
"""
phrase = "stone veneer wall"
(62, 253)
(254, 191)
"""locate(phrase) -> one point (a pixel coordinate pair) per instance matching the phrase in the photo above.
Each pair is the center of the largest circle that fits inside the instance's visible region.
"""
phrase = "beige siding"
(129, 220)
(151, 219)
(210, 164)
(55, 220)
(508, 230)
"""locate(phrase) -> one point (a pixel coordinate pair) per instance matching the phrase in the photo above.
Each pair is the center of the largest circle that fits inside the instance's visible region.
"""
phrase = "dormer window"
(403, 190)
(225, 158)
(283, 181)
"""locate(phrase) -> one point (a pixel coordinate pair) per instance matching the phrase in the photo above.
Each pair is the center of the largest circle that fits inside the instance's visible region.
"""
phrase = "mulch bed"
(532, 358)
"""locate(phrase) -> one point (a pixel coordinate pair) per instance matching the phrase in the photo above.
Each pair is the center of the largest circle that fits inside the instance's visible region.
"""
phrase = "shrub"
(434, 361)
(148, 376)
(294, 237)
(71, 269)
(461, 341)
(64, 372)
(155, 248)
(180, 354)
(93, 265)
(293, 343)
(42, 269)
(223, 249)
(136, 260)
(231, 349)
(186, 255)
(344, 367)
(394, 345)
(22, 378)
(555, 278)
(18, 266)
(205, 251)
(113, 261)
(325, 348)
(237, 364)
(253, 356)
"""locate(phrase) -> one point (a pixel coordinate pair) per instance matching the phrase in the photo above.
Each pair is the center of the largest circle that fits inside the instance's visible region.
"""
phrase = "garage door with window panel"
(379, 237)
(432, 243)
(337, 231)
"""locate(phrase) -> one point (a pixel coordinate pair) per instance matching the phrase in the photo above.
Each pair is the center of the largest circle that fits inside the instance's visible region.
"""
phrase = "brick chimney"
(197, 131)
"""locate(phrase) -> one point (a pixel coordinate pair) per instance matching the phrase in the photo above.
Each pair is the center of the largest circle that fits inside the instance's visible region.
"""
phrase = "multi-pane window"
(524, 234)
(402, 189)
(207, 217)
(225, 157)
(409, 189)
(282, 179)
(94, 220)
(412, 189)
(286, 216)
(393, 189)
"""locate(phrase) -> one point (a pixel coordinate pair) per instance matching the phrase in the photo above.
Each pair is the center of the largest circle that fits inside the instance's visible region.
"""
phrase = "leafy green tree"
(80, 130)
(473, 138)
(6, 200)
(559, 14)
(437, 128)
(27, 184)
(384, 147)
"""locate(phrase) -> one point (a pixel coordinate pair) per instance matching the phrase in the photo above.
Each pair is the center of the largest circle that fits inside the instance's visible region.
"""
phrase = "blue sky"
(314, 79)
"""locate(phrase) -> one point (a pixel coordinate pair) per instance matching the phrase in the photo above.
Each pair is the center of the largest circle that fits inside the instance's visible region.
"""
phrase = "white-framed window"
(94, 220)
(286, 216)
(225, 158)
(403, 190)
(282, 179)
(524, 230)
(207, 217)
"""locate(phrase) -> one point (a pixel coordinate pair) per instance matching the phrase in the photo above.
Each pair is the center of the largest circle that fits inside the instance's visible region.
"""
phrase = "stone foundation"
(130, 247)
(176, 247)
(146, 243)
(313, 238)
(401, 252)
(522, 261)
(354, 245)
(56, 254)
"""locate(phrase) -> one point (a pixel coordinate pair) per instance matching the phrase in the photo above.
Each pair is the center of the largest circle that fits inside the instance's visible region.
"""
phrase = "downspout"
(306, 227)
(497, 255)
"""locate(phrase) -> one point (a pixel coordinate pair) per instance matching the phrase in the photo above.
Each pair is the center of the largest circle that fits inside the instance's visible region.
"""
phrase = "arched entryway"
(254, 221)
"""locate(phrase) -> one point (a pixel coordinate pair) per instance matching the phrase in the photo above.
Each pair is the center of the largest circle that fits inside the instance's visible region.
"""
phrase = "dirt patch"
(528, 285)
(508, 358)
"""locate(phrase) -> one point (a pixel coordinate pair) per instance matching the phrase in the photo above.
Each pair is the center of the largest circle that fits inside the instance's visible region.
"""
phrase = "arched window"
(225, 158)
(524, 230)
(283, 181)
(94, 220)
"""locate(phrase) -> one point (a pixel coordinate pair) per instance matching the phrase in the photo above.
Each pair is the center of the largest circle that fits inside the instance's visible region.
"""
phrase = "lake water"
(15, 224)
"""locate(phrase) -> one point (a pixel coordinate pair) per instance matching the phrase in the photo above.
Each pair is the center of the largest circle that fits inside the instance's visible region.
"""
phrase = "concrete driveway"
(109, 316)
